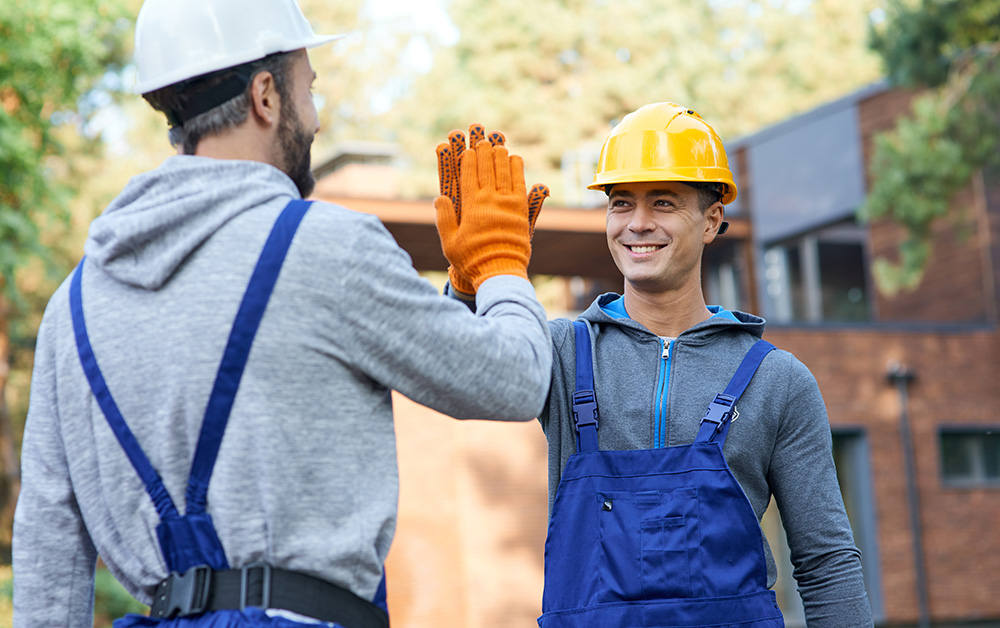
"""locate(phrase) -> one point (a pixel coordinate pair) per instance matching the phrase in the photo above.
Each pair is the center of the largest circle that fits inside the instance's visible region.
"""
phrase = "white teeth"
(643, 249)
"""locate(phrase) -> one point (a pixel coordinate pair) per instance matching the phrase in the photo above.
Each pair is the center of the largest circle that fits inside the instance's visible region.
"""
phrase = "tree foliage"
(52, 52)
(554, 75)
(951, 49)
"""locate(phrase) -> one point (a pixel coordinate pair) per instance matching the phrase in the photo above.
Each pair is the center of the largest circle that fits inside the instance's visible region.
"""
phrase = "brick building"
(910, 384)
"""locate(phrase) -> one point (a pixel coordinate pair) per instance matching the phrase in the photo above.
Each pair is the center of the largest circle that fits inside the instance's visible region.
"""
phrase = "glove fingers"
(501, 164)
(468, 172)
(456, 139)
(497, 139)
(485, 167)
(447, 219)
(477, 133)
(445, 170)
(517, 176)
(536, 197)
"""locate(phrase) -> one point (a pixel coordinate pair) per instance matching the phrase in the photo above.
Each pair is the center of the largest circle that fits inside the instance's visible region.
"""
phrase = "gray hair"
(229, 114)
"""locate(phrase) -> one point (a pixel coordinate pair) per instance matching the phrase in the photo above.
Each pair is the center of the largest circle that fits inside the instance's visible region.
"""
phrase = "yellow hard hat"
(664, 142)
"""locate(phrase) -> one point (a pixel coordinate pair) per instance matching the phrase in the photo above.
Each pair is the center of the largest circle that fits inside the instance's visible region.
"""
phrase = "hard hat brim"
(698, 175)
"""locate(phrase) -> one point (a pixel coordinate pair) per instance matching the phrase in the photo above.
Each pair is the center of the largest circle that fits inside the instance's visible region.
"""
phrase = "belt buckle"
(265, 597)
(186, 594)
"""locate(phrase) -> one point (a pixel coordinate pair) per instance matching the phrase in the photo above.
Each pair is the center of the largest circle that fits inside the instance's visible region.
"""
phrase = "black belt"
(202, 589)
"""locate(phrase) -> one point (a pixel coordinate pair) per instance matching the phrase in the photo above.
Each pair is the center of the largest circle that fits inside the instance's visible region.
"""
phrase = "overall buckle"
(186, 594)
(720, 410)
(584, 408)
(265, 594)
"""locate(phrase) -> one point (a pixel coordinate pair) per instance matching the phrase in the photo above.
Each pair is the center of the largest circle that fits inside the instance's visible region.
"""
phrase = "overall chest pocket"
(649, 541)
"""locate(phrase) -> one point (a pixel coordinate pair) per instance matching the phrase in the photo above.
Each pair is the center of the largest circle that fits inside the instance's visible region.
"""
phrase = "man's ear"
(714, 217)
(265, 102)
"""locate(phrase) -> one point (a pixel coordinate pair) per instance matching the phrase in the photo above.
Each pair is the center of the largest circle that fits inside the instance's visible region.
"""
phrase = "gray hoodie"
(780, 443)
(306, 477)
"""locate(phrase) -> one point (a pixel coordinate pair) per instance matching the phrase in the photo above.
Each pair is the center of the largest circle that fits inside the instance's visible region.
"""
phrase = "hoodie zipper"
(660, 425)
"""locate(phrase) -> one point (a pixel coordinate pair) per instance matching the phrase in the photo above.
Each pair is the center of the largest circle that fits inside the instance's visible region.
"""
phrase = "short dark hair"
(709, 193)
(233, 112)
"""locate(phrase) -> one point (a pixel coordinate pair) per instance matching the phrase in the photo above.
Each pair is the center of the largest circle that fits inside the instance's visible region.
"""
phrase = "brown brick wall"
(953, 282)
(472, 521)
(956, 383)
(952, 289)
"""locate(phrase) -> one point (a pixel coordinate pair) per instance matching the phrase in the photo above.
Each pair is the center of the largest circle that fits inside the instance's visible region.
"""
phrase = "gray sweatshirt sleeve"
(495, 364)
(803, 478)
(54, 558)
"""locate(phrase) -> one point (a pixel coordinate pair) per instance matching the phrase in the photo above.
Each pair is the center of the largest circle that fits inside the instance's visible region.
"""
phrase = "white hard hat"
(177, 40)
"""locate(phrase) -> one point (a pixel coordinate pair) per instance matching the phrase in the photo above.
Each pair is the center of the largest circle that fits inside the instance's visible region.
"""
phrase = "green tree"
(555, 74)
(52, 54)
(951, 50)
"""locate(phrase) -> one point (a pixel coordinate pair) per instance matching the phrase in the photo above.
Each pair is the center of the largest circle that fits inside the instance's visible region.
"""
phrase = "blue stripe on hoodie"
(616, 309)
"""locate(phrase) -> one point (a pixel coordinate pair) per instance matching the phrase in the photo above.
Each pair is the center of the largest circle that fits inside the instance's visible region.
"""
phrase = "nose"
(641, 220)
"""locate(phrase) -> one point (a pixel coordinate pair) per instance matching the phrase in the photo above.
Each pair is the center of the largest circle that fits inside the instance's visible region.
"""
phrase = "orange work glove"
(449, 159)
(492, 233)
(449, 169)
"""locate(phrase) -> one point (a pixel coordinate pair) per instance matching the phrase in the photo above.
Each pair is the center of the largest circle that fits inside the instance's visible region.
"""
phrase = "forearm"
(400, 332)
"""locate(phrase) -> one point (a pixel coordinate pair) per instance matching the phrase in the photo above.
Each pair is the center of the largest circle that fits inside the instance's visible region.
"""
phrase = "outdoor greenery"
(52, 54)
(951, 50)
(554, 75)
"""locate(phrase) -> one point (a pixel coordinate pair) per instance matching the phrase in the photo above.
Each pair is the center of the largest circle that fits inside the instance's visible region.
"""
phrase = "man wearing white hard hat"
(210, 409)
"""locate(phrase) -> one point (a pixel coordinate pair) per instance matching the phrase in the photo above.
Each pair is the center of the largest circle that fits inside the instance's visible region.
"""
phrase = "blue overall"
(190, 540)
(655, 537)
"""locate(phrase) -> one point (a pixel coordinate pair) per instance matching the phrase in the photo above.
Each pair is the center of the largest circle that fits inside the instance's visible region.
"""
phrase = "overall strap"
(584, 398)
(150, 478)
(227, 381)
(234, 359)
(715, 424)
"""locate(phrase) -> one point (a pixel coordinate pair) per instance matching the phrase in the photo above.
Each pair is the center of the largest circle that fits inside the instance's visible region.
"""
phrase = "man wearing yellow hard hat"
(671, 424)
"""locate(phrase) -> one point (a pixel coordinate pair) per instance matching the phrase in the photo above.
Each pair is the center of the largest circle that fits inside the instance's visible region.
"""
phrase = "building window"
(725, 275)
(819, 276)
(971, 457)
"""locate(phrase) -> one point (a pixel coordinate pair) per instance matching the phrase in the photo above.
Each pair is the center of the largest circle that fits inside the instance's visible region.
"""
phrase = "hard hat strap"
(202, 98)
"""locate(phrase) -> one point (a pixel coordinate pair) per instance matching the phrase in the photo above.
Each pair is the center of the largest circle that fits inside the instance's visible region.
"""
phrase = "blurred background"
(865, 137)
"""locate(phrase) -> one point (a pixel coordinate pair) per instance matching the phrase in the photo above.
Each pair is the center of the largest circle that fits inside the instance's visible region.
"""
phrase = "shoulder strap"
(715, 424)
(227, 381)
(150, 478)
(234, 359)
(584, 398)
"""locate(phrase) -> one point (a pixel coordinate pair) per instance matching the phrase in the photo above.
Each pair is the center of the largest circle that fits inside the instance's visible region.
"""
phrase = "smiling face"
(656, 233)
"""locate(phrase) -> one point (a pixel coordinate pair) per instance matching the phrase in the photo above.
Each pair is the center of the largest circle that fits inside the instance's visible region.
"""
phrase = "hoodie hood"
(695, 335)
(163, 215)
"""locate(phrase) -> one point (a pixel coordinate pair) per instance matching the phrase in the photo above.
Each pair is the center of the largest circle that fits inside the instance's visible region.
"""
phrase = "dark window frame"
(979, 477)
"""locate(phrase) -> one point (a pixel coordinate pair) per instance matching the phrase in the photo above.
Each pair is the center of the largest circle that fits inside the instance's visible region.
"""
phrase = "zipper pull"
(666, 350)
